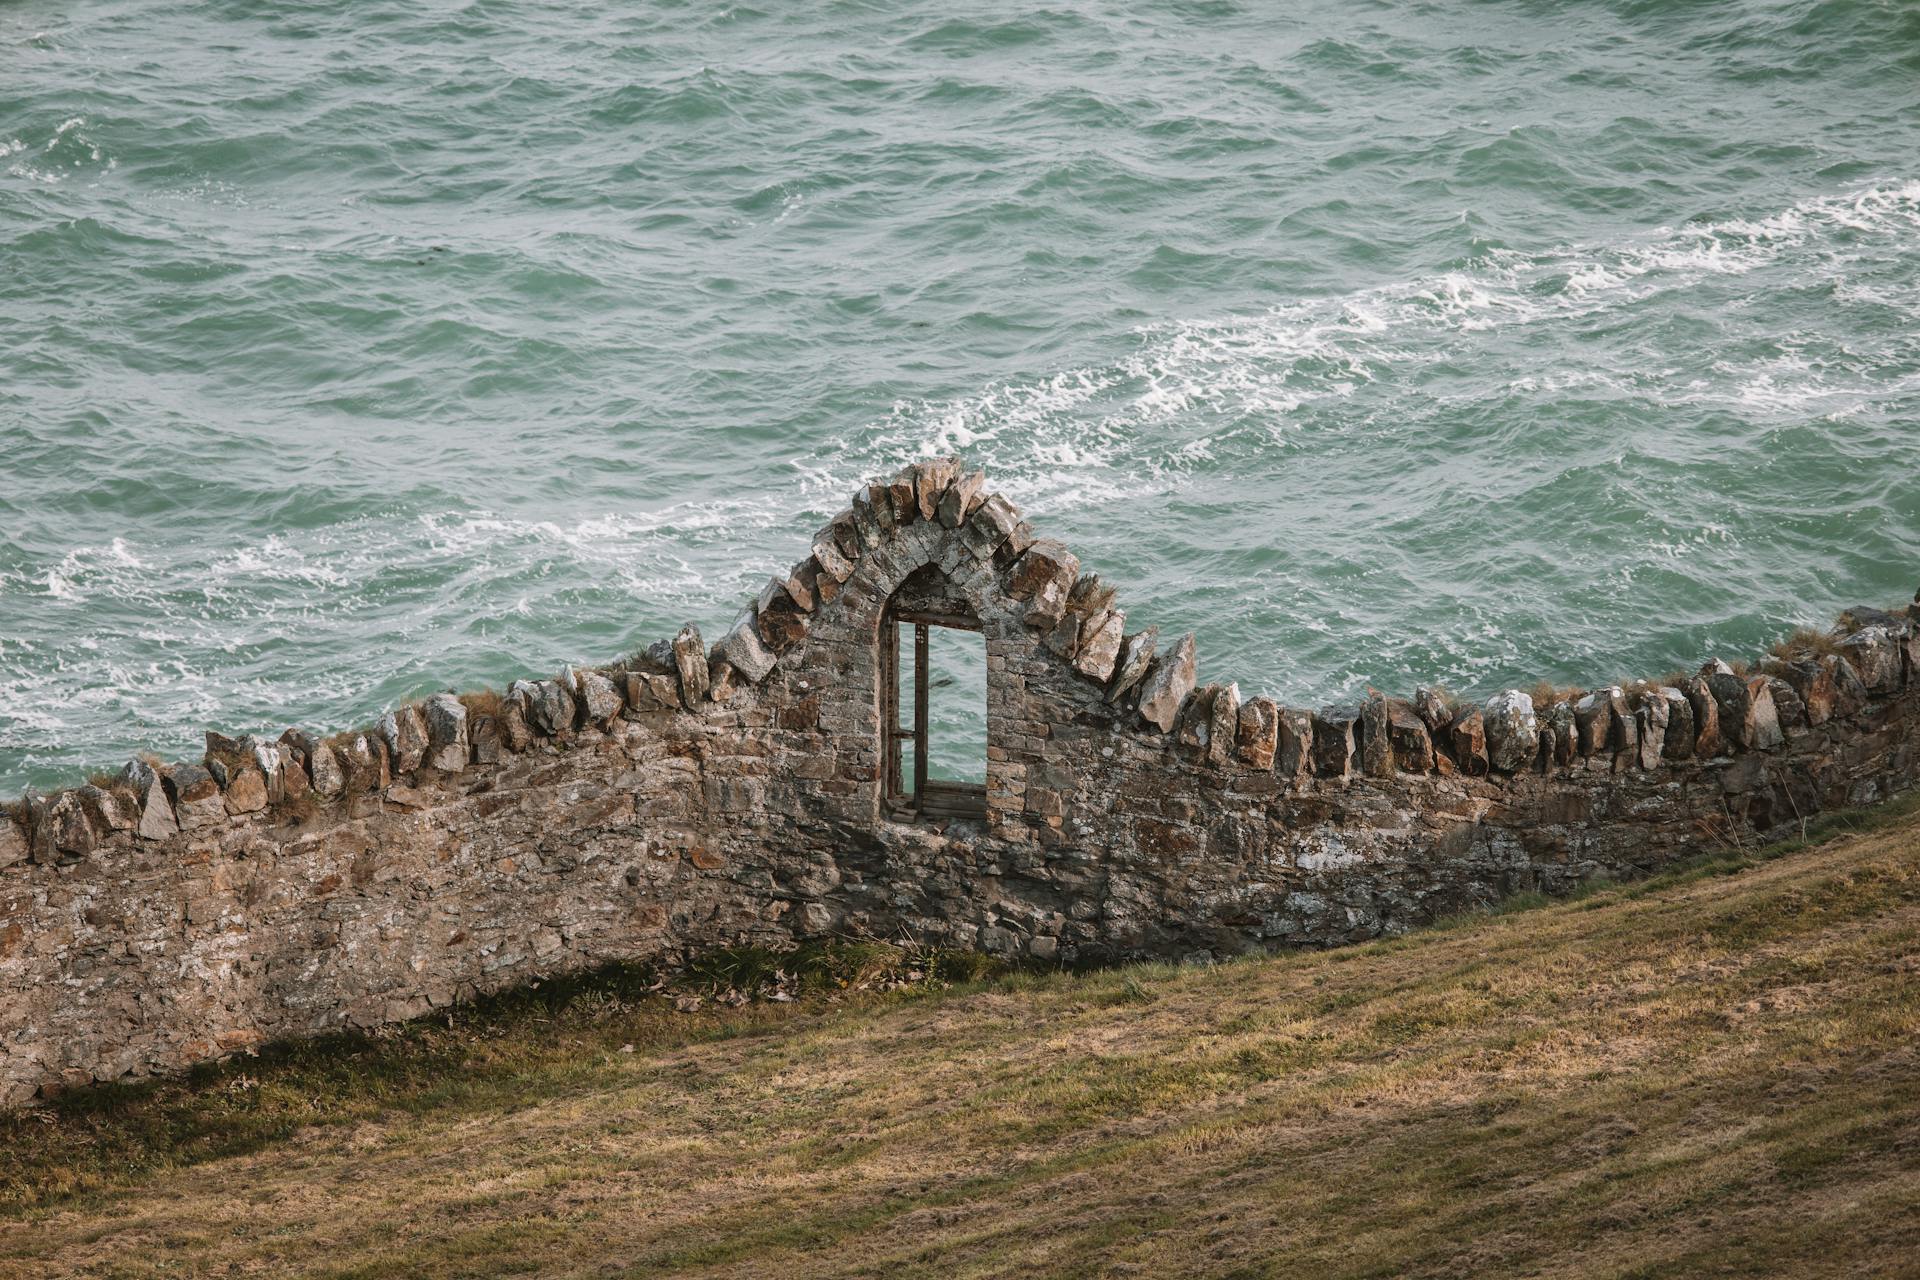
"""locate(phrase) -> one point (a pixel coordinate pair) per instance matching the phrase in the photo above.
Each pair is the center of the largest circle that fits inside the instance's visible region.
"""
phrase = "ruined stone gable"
(696, 796)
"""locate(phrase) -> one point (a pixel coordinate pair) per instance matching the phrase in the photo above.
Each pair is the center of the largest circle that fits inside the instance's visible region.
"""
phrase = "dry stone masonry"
(696, 796)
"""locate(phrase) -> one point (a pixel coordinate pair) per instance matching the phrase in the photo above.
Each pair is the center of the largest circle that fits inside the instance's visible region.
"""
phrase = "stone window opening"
(908, 682)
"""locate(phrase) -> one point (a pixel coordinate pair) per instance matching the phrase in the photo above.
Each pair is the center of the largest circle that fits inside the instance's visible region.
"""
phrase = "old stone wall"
(693, 797)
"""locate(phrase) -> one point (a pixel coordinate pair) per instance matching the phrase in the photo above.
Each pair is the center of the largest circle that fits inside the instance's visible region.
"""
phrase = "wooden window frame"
(928, 799)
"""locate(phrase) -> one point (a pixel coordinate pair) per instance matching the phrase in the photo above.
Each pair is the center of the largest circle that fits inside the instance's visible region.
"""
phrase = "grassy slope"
(1713, 1073)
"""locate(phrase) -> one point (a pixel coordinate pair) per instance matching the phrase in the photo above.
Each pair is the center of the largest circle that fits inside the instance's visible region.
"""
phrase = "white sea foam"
(272, 560)
(1106, 432)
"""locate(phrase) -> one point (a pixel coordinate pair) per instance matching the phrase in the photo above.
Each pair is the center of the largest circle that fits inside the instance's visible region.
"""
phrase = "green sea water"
(352, 351)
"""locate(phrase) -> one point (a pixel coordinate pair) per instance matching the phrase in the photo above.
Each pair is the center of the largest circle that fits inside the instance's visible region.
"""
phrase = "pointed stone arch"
(1053, 637)
(899, 556)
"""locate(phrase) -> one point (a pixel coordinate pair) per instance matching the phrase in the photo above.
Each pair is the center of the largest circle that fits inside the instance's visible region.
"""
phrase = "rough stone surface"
(405, 733)
(247, 793)
(1407, 734)
(1788, 707)
(156, 812)
(1376, 750)
(1734, 704)
(1875, 655)
(1063, 640)
(1747, 719)
(1043, 577)
(599, 698)
(1814, 685)
(650, 692)
(931, 479)
(137, 773)
(1626, 733)
(484, 732)
(1597, 715)
(1167, 684)
(196, 797)
(1433, 708)
(1681, 733)
(1100, 645)
(70, 829)
(1467, 739)
(105, 809)
(787, 590)
(831, 562)
(1016, 544)
(1295, 759)
(323, 769)
(690, 663)
(873, 505)
(447, 742)
(906, 507)
(1849, 694)
(1706, 718)
(1258, 737)
(723, 681)
(1333, 741)
(1560, 734)
(742, 650)
(990, 527)
(1651, 729)
(1223, 725)
(1130, 667)
(365, 760)
(213, 921)
(1193, 727)
(1767, 733)
(961, 498)
(1513, 734)
(515, 731)
(781, 626)
(549, 710)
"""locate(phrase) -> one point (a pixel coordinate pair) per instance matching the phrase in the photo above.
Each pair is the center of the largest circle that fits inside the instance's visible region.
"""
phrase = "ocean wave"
(1109, 432)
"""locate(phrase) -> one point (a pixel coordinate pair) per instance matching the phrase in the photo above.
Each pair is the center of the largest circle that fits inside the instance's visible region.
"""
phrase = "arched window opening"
(933, 703)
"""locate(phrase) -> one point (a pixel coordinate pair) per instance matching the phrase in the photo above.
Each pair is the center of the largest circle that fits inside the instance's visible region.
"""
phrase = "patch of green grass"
(1131, 991)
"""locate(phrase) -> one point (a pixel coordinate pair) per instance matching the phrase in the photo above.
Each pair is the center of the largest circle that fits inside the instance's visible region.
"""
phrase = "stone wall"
(693, 797)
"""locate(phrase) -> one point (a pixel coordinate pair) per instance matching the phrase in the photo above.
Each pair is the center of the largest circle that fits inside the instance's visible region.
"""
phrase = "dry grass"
(1545, 694)
(343, 741)
(1806, 642)
(1713, 1072)
(481, 702)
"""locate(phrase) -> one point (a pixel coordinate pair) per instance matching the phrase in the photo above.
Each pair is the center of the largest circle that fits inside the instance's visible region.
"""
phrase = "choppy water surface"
(352, 351)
